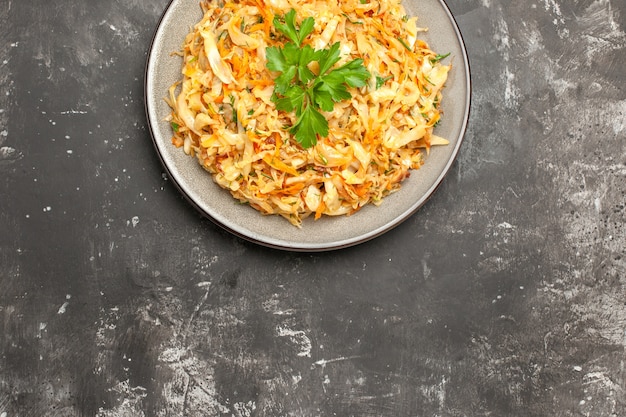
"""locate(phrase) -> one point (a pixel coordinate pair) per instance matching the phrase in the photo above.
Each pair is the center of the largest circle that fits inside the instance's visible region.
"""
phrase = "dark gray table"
(503, 296)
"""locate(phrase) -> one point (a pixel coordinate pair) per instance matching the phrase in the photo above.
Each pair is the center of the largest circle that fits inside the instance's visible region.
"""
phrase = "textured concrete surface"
(504, 296)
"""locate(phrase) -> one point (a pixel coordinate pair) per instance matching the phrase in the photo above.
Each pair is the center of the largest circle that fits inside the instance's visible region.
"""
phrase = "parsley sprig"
(298, 89)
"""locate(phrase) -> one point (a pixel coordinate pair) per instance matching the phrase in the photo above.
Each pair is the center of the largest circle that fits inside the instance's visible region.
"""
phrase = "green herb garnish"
(438, 58)
(302, 91)
(406, 45)
(232, 105)
(380, 81)
(354, 22)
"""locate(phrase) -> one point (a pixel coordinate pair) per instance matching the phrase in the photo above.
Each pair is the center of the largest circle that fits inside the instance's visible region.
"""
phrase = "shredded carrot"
(261, 82)
(278, 143)
(279, 165)
(255, 27)
(320, 210)
(177, 141)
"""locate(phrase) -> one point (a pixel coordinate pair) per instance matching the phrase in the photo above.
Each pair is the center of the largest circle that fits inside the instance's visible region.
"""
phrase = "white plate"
(327, 233)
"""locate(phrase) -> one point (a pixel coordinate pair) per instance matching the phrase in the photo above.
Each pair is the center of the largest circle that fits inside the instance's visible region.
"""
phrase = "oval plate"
(163, 69)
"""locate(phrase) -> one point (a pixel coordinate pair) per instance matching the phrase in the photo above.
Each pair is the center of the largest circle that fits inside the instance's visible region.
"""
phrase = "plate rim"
(280, 244)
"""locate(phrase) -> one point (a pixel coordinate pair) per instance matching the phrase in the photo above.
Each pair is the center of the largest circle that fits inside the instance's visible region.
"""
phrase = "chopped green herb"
(406, 45)
(354, 22)
(438, 58)
(232, 105)
(175, 126)
(380, 81)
